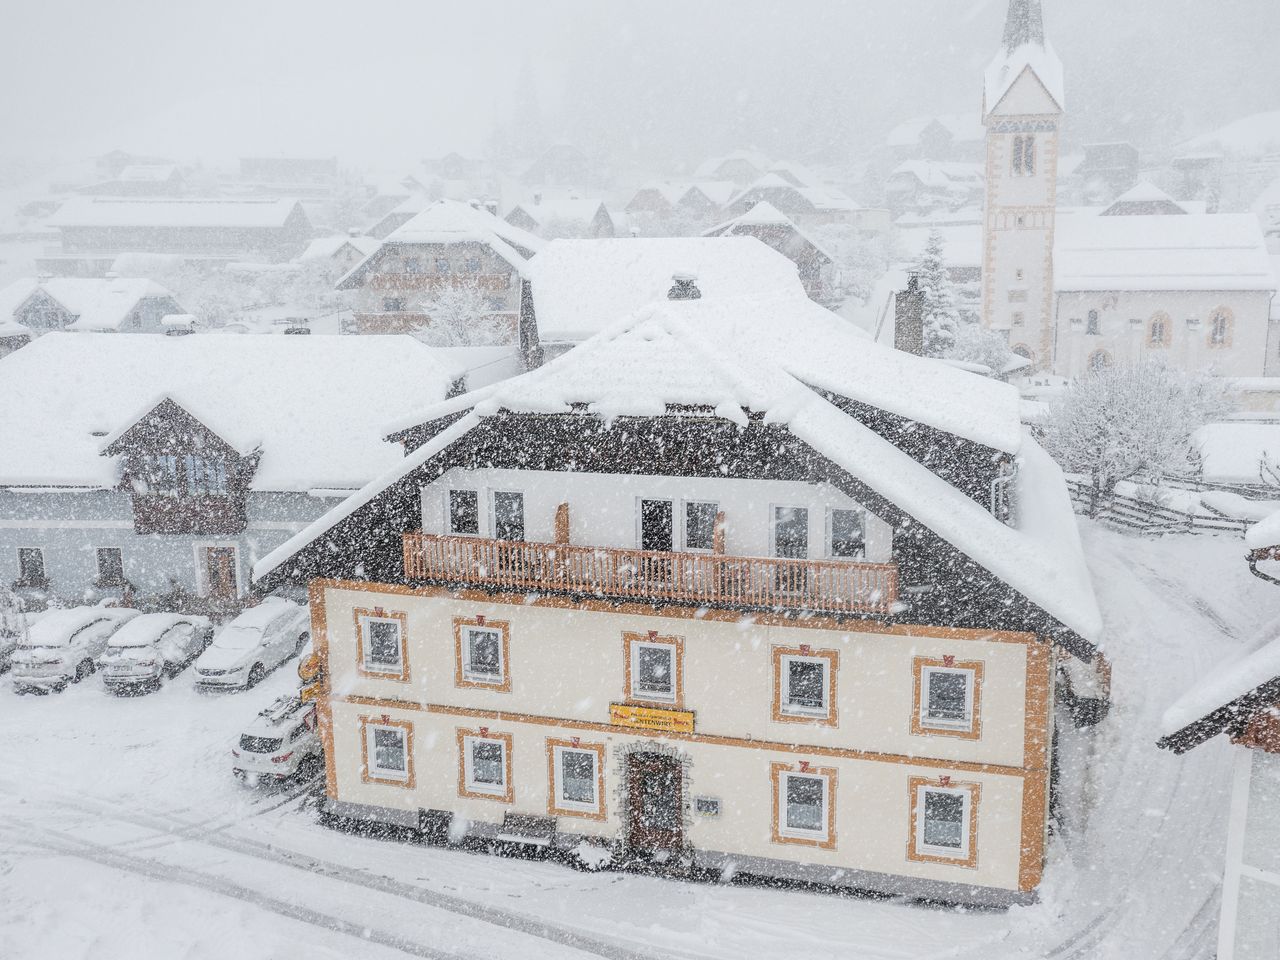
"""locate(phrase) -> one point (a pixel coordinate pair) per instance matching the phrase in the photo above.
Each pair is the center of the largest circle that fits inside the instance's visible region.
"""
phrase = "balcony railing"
(823, 586)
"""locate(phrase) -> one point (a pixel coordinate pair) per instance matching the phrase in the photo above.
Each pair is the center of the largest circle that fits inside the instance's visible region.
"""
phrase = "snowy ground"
(123, 834)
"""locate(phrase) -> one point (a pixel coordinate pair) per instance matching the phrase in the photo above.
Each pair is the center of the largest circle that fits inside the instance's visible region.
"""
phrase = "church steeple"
(1024, 24)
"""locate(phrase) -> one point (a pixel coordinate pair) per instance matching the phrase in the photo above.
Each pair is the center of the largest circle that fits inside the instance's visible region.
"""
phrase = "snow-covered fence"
(1144, 516)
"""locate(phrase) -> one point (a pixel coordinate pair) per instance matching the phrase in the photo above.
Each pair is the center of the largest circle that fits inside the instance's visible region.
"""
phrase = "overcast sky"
(381, 83)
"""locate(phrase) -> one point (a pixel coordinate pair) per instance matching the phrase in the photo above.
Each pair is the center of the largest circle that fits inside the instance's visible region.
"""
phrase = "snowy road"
(123, 834)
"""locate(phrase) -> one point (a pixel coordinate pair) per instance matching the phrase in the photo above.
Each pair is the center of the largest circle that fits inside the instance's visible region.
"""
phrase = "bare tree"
(1128, 421)
(463, 316)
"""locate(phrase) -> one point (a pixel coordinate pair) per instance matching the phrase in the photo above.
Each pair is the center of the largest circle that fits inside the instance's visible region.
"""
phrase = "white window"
(700, 525)
(806, 685)
(388, 752)
(382, 644)
(848, 534)
(803, 799)
(947, 700)
(942, 821)
(576, 779)
(482, 655)
(464, 513)
(485, 763)
(653, 671)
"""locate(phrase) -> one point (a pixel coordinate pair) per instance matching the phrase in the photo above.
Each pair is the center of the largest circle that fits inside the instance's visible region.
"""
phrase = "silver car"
(257, 641)
(150, 647)
(64, 645)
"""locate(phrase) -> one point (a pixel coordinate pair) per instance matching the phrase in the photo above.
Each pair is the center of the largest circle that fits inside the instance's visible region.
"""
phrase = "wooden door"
(221, 563)
(655, 811)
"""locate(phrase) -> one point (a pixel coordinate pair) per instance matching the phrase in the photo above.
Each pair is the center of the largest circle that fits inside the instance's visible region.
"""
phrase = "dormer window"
(206, 476)
(160, 474)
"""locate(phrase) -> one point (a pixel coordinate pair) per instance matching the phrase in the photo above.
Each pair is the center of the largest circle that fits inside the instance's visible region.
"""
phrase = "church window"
(1099, 360)
(1017, 156)
(1029, 156)
(1160, 331)
(1220, 328)
(1095, 324)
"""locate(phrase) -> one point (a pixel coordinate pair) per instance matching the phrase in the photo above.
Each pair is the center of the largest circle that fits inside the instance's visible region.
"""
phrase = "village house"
(742, 167)
(704, 200)
(96, 230)
(1241, 698)
(342, 251)
(141, 180)
(803, 204)
(575, 287)
(799, 609)
(656, 199)
(930, 186)
(86, 304)
(774, 229)
(452, 249)
(550, 216)
(171, 463)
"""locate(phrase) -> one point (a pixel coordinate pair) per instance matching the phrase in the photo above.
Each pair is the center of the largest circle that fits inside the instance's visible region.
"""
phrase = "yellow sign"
(651, 718)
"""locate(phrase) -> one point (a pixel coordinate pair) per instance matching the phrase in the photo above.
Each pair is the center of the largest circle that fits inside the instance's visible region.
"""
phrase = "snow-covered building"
(656, 199)
(728, 584)
(803, 204)
(550, 216)
(706, 198)
(95, 230)
(742, 167)
(85, 304)
(453, 249)
(576, 287)
(1241, 698)
(948, 137)
(181, 460)
(342, 250)
(775, 229)
(925, 186)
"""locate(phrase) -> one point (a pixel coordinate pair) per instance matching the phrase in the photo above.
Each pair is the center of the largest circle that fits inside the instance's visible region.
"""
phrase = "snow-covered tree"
(858, 262)
(1130, 421)
(973, 344)
(941, 317)
(462, 316)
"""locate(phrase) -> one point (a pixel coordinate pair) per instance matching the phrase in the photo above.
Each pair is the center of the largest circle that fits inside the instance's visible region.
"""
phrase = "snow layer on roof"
(674, 353)
(762, 214)
(565, 209)
(1007, 65)
(449, 221)
(709, 168)
(581, 286)
(1224, 684)
(943, 174)
(1264, 533)
(718, 192)
(98, 304)
(1143, 192)
(322, 248)
(318, 425)
(15, 295)
(151, 212)
(148, 172)
(1193, 252)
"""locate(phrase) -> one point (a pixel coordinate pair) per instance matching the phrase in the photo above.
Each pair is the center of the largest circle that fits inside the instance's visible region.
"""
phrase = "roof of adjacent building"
(940, 173)
(64, 395)
(963, 127)
(166, 212)
(762, 214)
(1192, 252)
(709, 168)
(582, 286)
(1144, 197)
(97, 303)
(782, 355)
(718, 192)
(1258, 133)
(550, 207)
(823, 199)
(322, 248)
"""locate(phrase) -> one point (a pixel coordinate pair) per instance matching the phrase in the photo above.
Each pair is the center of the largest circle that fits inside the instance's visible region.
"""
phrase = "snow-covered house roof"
(1143, 199)
(1233, 452)
(762, 214)
(323, 248)
(1254, 135)
(1192, 252)
(776, 188)
(963, 127)
(64, 395)
(673, 353)
(580, 286)
(718, 192)
(940, 174)
(545, 208)
(165, 212)
(709, 168)
(96, 303)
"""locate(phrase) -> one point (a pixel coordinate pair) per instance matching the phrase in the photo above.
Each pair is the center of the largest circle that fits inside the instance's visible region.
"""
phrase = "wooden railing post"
(562, 523)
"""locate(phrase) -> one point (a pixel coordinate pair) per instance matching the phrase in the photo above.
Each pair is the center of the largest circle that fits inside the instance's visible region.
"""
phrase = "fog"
(382, 84)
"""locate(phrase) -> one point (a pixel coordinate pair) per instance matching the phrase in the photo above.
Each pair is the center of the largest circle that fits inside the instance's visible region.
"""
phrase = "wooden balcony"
(483, 282)
(821, 586)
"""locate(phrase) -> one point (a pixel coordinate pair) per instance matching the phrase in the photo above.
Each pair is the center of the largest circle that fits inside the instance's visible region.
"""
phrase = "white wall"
(604, 508)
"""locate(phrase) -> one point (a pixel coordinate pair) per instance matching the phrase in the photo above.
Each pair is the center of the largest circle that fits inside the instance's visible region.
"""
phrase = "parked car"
(153, 646)
(281, 741)
(260, 639)
(13, 627)
(63, 646)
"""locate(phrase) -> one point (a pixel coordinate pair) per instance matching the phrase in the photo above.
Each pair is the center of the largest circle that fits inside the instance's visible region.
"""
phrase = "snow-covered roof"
(709, 168)
(580, 286)
(1264, 533)
(1194, 252)
(718, 192)
(1142, 198)
(322, 248)
(822, 198)
(1008, 65)
(1223, 685)
(451, 221)
(963, 127)
(1257, 133)
(668, 190)
(165, 212)
(762, 214)
(565, 209)
(675, 353)
(98, 304)
(942, 174)
(318, 426)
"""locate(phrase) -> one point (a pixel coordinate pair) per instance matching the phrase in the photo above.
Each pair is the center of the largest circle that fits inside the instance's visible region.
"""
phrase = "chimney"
(537, 199)
(908, 318)
(684, 286)
(354, 232)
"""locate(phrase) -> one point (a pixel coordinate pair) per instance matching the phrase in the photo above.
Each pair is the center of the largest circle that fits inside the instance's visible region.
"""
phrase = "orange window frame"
(460, 679)
(919, 698)
(359, 615)
(778, 711)
(777, 772)
(369, 774)
(629, 641)
(464, 789)
(555, 806)
(917, 786)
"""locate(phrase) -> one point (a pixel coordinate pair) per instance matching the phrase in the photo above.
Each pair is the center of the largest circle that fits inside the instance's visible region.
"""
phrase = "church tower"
(1022, 107)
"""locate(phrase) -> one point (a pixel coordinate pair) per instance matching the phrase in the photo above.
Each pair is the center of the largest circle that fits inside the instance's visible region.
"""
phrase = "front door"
(655, 814)
(221, 564)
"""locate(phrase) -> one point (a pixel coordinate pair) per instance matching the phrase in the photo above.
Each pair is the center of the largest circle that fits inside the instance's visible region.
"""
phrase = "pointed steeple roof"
(1024, 24)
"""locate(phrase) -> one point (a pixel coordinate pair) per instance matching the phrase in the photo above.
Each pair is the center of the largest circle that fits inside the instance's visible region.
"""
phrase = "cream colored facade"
(1017, 269)
(566, 664)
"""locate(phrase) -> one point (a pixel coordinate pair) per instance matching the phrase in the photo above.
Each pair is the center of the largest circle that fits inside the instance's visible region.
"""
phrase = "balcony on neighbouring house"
(819, 586)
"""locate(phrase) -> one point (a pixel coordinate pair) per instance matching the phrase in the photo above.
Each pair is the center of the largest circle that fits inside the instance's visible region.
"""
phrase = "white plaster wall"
(1189, 347)
(604, 508)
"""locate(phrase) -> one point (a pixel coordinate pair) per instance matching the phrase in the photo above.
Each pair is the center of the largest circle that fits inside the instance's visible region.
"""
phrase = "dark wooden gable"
(41, 311)
(942, 585)
(186, 505)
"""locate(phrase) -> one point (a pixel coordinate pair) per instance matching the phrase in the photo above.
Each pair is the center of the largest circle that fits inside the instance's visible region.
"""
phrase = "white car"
(152, 646)
(283, 739)
(260, 639)
(13, 627)
(63, 646)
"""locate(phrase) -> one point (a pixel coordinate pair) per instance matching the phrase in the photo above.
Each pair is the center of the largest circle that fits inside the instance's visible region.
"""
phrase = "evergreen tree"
(941, 317)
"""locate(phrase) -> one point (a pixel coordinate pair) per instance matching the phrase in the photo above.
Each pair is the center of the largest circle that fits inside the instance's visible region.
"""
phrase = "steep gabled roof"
(1024, 49)
(98, 304)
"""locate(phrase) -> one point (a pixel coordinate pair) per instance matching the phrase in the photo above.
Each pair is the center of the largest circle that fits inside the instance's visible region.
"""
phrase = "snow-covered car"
(13, 627)
(281, 740)
(259, 640)
(64, 645)
(153, 646)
